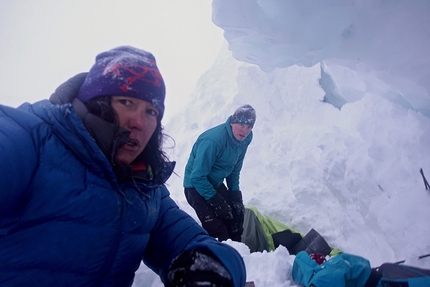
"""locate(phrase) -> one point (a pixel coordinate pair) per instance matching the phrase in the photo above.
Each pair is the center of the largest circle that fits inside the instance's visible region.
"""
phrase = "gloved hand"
(237, 206)
(194, 268)
(220, 206)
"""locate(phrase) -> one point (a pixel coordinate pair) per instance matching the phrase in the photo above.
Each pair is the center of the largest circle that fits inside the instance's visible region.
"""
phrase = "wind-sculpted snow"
(371, 40)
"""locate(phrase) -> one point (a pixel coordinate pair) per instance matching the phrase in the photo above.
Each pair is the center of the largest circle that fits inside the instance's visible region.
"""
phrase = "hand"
(238, 210)
(220, 206)
(197, 268)
(237, 206)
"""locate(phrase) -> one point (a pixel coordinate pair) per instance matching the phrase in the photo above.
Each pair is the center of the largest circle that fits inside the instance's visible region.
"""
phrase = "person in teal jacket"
(83, 199)
(217, 156)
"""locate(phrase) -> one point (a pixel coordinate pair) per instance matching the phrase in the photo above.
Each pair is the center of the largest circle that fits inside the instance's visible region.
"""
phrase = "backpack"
(399, 275)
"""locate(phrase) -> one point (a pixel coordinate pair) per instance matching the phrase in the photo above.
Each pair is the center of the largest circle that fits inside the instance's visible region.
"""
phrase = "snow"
(349, 169)
(386, 40)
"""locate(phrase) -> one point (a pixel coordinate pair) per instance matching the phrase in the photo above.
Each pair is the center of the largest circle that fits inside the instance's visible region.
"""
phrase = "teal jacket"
(215, 156)
(342, 270)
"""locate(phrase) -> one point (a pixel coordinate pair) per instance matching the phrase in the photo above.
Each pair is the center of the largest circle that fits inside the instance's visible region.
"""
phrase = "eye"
(125, 102)
(152, 112)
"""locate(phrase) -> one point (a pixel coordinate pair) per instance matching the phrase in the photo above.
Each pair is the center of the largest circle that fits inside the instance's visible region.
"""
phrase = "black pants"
(222, 229)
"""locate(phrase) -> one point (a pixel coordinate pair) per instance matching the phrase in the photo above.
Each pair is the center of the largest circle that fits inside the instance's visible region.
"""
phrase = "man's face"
(240, 130)
(140, 118)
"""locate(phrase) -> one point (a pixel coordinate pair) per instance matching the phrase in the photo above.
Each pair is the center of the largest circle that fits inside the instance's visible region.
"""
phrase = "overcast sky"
(43, 43)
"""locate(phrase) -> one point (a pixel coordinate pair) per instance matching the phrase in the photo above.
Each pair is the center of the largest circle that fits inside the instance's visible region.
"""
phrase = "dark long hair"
(153, 154)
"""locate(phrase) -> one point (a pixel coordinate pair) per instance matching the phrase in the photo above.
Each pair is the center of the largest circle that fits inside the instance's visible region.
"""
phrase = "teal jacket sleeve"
(205, 156)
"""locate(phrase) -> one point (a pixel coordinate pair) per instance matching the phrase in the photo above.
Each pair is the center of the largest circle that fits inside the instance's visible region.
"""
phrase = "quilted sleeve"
(18, 156)
(176, 231)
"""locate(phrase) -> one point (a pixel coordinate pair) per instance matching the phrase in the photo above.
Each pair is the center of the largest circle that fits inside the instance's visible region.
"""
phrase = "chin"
(123, 160)
(125, 157)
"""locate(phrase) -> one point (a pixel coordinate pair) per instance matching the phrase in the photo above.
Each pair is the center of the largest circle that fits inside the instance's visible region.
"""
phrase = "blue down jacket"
(64, 219)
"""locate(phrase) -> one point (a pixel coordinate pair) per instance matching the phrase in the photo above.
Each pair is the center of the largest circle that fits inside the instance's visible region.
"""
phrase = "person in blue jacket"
(82, 193)
(217, 156)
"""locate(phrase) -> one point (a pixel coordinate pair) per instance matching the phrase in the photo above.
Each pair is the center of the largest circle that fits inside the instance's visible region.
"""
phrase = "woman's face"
(140, 118)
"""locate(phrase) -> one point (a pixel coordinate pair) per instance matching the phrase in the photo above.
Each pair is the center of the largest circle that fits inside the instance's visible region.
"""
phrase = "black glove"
(194, 268)
(237, 206)
(238, 210)
(220, 206)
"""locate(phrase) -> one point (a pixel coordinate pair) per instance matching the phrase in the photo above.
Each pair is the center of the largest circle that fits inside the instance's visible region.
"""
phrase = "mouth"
(131, 142)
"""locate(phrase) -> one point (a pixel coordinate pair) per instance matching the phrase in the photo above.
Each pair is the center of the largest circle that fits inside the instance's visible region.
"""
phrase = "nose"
(137, 120)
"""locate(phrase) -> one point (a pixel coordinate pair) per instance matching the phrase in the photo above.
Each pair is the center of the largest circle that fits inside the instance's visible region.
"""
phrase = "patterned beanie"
(125, 71)
(245, 115)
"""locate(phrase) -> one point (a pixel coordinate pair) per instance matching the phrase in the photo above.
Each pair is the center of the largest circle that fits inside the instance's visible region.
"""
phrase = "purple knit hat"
(125, 71)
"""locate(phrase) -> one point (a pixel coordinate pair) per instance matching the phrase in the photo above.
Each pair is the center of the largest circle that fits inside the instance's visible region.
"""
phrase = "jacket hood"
(68, 127)
(108, 136)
